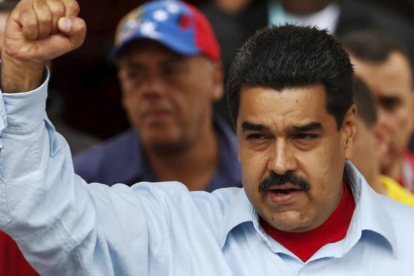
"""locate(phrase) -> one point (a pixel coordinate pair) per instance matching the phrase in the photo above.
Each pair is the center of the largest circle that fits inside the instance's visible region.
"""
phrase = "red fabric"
(408, 156)
(205, 38)
(12, 262)
(305, 244)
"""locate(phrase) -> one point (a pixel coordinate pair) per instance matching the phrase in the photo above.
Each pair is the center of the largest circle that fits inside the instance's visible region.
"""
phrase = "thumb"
(74, 28)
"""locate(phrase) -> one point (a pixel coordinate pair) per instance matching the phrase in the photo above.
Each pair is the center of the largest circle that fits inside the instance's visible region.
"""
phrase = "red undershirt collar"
(334, 229)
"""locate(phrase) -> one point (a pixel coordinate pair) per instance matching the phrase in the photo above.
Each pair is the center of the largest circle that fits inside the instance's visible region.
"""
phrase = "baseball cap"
(177, 25)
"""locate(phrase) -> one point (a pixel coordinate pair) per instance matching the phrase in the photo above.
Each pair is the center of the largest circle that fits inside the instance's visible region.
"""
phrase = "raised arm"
(62, 225)
(36, 32)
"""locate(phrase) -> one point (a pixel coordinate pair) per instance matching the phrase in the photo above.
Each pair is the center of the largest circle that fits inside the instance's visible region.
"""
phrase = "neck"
(193, 166)
(375, 184)
(395, 169)
(373, 180)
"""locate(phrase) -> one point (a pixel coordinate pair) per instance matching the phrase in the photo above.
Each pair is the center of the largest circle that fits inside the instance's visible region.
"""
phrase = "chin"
(291, 221)
(167, 147)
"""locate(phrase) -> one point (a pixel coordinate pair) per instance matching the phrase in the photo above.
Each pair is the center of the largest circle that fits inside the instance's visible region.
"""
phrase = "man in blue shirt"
(169, 68)
(304, 210)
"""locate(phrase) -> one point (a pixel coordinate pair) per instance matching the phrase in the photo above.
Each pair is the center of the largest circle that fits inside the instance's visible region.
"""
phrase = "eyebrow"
(174, 60)
(307, 127)
(170, 61)
(302, 128)
(255, 127)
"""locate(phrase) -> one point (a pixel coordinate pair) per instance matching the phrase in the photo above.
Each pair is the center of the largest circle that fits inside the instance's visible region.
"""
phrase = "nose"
(282, 159)
(153, 87)
(384, 120)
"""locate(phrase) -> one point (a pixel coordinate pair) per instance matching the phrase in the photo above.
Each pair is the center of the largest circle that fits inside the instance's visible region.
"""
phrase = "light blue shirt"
(67, 227)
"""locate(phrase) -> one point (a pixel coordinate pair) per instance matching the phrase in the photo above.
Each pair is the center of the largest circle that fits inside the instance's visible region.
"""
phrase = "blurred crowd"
(176, 124)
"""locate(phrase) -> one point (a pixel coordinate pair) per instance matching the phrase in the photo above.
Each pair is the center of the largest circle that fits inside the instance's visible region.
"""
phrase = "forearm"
(19, 76)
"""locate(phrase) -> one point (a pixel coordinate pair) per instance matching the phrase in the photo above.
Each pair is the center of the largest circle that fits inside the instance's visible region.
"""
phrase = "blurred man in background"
(385, 68)
(371, 144)
(170, 72)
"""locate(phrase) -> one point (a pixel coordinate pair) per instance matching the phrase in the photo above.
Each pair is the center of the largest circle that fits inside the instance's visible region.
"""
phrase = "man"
(170, 73)
(371, 143)
(303, 209)
(385, 68)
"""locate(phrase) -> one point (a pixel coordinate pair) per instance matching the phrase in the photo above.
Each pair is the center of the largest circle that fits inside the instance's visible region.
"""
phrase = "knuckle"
(40, 5)
(30, 23)
(57, 10)
(44, 19)
(25, 12)
(73, 7)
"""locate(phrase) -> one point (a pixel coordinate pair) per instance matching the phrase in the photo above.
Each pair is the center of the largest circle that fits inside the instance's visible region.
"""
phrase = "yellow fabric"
(396, 191)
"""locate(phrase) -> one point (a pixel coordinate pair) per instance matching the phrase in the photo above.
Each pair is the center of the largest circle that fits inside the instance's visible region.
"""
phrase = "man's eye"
(305, 136)
(132, 74)
(255, 136)
(389, 103)
(172, 70)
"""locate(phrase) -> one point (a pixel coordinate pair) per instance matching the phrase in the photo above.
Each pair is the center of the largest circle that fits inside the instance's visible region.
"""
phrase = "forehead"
(390, 78)
(144, 49)
(285, 108)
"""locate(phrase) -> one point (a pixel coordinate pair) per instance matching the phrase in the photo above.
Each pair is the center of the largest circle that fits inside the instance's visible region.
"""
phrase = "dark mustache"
(275, 179)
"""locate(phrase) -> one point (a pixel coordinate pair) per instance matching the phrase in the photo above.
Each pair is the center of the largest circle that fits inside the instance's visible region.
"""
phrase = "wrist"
(19, 76)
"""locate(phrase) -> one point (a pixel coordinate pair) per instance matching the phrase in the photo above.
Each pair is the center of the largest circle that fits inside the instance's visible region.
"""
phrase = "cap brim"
(173, 43)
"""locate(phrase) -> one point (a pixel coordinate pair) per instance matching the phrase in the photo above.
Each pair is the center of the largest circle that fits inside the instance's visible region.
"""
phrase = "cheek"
(130, 100)
(404, 118)
(254, 167)
(324, 165)
(131, 103)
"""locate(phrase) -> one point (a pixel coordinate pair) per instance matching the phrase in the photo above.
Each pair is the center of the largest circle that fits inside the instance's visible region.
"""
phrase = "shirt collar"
(369, 214)
(240, 211)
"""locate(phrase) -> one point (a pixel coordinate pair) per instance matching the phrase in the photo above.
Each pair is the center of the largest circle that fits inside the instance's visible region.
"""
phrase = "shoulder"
(177, 193)
(212, 206)
(397, 211)
(174, 198)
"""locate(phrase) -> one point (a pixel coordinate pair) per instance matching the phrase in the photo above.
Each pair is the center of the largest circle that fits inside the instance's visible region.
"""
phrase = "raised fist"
(40, 30)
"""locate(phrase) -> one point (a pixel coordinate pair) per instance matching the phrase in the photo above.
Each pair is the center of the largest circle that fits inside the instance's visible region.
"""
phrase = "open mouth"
(279, 195)
(283, 191)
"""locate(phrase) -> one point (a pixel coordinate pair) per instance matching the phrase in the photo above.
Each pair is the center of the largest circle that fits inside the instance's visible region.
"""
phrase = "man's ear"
(349, 131)
(218, 82)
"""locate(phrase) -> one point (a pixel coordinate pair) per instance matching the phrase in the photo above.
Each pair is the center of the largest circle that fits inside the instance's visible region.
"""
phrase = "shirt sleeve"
(52, 213)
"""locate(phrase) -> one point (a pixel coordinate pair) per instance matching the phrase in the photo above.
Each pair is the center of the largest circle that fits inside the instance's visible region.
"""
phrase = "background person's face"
(391, 85)
(291, 131)
(365, 156)
(167, 96)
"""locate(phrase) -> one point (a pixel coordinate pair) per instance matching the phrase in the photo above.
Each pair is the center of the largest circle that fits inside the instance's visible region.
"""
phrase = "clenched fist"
(36, 32)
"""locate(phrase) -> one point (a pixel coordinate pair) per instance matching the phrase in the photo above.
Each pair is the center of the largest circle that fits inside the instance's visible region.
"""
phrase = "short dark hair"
(374, 46)
(371, 45)
(293, 56)
(365, 102)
